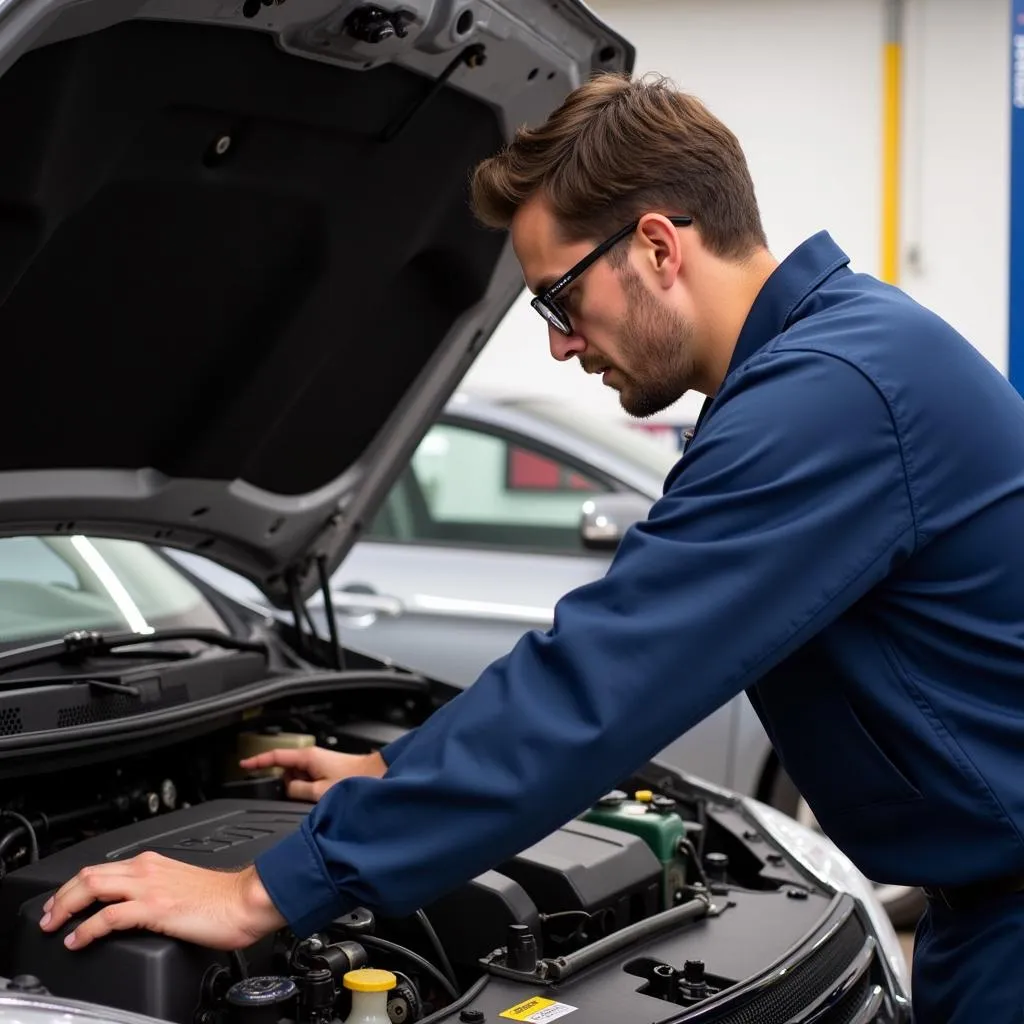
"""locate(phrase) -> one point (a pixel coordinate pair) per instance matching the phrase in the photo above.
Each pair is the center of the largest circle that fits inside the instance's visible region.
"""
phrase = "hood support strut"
(300, 613)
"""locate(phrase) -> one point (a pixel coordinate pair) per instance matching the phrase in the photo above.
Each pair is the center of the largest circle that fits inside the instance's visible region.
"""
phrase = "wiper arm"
(89, 643)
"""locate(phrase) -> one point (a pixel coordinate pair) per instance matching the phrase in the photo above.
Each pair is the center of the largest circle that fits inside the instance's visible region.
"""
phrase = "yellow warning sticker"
(537, 1010)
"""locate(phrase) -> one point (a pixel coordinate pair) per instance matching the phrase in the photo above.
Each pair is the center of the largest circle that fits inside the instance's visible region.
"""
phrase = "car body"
(240, 213)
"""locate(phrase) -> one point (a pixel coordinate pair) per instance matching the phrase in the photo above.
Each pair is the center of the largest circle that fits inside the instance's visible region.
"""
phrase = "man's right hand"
(310, 771)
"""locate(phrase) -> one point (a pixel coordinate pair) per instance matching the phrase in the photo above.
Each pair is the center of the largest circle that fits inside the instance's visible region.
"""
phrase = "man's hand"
(220, 910)
(311, 771)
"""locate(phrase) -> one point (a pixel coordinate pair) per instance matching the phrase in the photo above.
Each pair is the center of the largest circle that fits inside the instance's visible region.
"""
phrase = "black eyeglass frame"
(545, 303)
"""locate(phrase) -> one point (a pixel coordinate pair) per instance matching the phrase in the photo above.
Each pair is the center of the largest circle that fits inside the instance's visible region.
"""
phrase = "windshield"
(50, 586)
(629, 444)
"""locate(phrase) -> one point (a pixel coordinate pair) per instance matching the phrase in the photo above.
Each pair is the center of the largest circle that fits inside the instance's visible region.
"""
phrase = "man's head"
(649, 169)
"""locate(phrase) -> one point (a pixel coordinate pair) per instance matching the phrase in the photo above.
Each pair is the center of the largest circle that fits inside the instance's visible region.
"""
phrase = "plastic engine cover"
(581, 866)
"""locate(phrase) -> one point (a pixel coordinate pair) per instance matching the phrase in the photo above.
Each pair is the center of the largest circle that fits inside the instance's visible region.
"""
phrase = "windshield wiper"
(89, 643)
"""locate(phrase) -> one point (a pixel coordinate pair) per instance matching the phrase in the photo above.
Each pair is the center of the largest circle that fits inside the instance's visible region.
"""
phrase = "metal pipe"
(892, 99)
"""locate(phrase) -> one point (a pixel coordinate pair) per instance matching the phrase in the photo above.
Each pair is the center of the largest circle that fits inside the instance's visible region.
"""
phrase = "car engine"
(647, 904)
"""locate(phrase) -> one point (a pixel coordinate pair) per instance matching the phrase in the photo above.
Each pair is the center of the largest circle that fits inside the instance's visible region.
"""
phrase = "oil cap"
(261, 991)
(261, 1000)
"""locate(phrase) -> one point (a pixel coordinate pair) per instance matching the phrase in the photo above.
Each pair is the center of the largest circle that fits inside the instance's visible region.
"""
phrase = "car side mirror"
(605, 519)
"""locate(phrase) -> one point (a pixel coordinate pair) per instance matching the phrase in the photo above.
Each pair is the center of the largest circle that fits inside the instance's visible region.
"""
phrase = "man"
(839, 541)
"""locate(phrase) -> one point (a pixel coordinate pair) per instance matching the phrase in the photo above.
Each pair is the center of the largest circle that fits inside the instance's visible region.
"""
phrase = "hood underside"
(239, 274)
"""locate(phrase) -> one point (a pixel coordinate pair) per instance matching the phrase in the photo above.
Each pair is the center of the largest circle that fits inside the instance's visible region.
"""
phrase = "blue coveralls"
(840, 541)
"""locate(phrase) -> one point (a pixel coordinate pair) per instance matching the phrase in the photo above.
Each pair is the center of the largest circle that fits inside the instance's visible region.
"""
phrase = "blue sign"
(1016, 331)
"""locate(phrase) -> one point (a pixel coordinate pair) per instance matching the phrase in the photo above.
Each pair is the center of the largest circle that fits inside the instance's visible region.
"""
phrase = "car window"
(50, 586)
(470, 487)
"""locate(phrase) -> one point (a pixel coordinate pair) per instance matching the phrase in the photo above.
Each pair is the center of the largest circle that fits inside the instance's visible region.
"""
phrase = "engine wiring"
(423, 964)
(438, 946)
(26, 825)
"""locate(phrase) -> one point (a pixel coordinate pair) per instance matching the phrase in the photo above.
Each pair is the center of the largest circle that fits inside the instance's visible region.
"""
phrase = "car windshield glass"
(640, 449)
(50, 586)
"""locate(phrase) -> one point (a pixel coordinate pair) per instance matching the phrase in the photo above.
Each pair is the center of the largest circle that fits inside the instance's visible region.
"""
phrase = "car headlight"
(827, 862)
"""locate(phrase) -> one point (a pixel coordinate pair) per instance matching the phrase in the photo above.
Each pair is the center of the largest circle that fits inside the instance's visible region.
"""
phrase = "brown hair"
(616, 149)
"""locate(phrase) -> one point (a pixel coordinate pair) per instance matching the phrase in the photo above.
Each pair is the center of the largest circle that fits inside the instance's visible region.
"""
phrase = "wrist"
(376, 766)
(260, 916)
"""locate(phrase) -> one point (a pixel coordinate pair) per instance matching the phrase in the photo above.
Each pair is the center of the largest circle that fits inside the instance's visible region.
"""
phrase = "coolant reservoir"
(369, 990)
(653, 819)
(249, 744)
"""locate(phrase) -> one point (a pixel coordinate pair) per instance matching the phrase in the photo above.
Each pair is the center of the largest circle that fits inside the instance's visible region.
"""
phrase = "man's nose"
(564, 346)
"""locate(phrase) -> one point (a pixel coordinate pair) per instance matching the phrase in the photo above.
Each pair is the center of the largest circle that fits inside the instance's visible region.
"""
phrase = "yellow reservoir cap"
(643, 796)
(367, 979)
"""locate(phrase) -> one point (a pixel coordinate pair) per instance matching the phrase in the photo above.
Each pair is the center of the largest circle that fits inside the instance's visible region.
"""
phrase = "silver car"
(505, 506)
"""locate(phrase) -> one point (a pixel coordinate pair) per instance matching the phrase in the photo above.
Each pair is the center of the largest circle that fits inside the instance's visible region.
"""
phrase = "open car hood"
(239, 274)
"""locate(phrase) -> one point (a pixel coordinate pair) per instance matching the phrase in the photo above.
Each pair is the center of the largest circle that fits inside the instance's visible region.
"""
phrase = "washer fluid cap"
(368, 979)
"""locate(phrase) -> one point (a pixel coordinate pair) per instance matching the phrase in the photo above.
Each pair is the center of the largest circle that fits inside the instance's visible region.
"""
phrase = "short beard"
(657, 346)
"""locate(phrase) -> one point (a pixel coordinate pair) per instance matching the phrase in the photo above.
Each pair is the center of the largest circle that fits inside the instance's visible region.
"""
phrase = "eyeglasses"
(546, 303)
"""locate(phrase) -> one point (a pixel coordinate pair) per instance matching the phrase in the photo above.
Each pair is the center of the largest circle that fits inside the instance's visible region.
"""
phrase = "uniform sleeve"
(391, 750)
(790, 504)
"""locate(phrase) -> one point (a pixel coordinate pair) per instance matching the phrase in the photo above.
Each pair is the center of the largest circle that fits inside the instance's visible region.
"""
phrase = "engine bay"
(650, 903)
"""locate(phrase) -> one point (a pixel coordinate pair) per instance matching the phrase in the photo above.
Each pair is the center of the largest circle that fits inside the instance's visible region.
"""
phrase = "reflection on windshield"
(626, 442)
(50, 586)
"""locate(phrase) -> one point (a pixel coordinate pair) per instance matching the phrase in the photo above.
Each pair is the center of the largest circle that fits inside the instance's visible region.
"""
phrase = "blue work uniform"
(840, 541)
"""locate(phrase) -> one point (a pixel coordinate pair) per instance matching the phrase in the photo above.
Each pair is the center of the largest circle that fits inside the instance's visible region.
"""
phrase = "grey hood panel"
(232, 295)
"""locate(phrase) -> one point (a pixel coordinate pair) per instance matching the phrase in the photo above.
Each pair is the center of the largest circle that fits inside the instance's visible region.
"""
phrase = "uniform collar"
(776, 305)
(790, 283)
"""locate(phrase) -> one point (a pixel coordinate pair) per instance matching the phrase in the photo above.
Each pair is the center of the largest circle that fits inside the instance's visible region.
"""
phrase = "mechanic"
(840, 540)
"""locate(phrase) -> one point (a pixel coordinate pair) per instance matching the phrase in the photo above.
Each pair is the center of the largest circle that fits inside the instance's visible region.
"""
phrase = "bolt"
(472, 1016)
(774, 858)
(223, 145)
(797, 894)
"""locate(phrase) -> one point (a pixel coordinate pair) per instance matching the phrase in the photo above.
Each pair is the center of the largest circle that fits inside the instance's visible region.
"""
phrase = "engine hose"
(44, 824)
(23, 826)
(392, 947)
(563, 967)
(465, 999)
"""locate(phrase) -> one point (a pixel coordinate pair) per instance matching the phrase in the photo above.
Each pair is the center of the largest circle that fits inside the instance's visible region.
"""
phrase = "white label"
(537, 1011)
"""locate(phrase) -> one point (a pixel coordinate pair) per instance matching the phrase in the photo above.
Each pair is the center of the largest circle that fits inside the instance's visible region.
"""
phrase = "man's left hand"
(216, 909)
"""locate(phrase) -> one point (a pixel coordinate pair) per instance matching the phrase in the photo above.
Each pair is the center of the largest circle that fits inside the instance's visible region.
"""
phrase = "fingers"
(283, 757)
(116, 917)
(299, 789)
(104, 882)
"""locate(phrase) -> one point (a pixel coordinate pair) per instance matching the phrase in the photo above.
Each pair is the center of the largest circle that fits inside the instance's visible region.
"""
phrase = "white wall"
(800, 83)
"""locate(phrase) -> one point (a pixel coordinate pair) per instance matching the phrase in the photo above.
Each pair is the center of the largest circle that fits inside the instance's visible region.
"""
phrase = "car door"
(474, 545)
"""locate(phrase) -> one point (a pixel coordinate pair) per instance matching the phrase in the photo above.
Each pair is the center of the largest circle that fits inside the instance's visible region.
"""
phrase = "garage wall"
(800, 82)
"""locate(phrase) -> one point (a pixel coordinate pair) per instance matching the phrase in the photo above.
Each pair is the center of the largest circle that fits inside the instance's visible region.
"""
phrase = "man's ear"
(661, 253)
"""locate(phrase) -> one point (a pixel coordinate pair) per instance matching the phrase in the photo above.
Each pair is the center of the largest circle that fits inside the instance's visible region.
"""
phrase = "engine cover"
(581, 867)
(141, 972)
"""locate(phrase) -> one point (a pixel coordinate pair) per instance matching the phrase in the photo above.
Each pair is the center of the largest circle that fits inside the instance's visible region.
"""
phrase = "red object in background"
(528, 471)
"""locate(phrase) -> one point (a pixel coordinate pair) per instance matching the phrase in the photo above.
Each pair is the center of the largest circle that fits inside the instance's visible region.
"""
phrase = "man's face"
(642, 346)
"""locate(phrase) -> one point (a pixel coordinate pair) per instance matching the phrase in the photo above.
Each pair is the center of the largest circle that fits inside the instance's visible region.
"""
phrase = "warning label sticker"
(537, 1011)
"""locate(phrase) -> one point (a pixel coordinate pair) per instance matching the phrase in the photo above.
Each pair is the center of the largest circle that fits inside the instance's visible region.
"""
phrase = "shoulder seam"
(763, 356)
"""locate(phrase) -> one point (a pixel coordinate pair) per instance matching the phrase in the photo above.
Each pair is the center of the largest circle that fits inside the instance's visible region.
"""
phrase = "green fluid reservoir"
(653, 819)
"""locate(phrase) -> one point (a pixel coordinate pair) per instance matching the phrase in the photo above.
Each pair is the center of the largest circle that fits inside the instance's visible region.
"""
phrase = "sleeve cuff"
(297, 882)
(393, 749)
